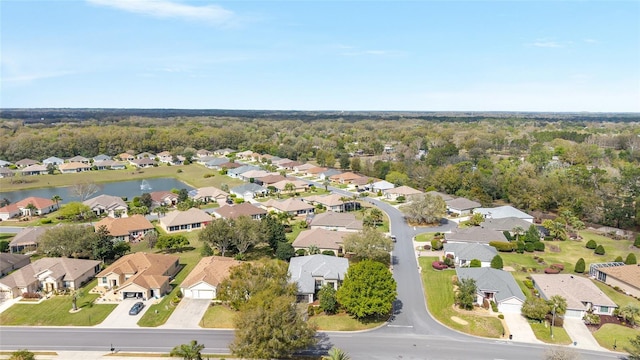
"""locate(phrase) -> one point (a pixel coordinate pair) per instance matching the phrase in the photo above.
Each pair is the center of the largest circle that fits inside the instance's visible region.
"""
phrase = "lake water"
(127, 189)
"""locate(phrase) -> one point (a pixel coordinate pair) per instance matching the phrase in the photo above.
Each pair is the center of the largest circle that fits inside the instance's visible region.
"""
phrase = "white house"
(203, 281)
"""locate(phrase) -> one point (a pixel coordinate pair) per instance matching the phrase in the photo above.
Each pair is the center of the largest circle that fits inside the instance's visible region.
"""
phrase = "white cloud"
(547, 44)
(167, 9)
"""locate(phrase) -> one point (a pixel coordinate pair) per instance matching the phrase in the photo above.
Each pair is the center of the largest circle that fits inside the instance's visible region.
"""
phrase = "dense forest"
(585, 164)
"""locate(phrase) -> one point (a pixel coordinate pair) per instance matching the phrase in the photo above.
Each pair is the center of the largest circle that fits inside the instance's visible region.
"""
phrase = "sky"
(550, 56)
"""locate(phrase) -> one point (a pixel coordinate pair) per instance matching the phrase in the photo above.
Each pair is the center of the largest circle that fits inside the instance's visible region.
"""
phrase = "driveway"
(120, 318)
(519, 327)
(188, 314)
(580, 334)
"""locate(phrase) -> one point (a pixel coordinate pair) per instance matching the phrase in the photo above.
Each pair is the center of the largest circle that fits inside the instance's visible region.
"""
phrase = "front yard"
(612, 334)
(438, 287)
(55, 311)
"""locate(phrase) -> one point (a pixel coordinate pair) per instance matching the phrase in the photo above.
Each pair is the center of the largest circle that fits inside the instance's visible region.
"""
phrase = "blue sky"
(322, 55)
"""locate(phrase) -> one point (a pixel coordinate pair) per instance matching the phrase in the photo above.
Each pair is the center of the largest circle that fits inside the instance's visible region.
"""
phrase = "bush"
(500, 316)
(580, 266)
(329, 253)
(503, 246)
(599, 250)
(538, 246)
(497, 263)
(637, 242)
(551, 271)
(301, 252)
(520, 247)
(494, 306)
(475, 263)
(591, 319)
(507, 235)
(46, 221)
(449, 262)
(31, 295)
(528, 283)
(528, 247)
(439, 265)
(401, 199)
(206, 176)
(311, 310)
(618, 259)
(631, 259)
(436, 244)
(591, 244)
(557, 266)
(427, 247)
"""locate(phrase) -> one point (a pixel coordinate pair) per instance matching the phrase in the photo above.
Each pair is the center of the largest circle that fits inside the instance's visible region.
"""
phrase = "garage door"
(510, 308)
(573, 314)
(203, 294)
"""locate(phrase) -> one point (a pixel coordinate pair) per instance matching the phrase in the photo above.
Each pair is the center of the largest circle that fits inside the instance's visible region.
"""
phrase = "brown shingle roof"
(124, 226)
(237, 210)
(68, 269)
(191, 216)
(212, 270)
(335, 219)
(323, 239)
(629, 274)
(576, 289)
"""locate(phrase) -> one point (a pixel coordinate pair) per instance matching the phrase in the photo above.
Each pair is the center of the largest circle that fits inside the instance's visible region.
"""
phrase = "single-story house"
(143, 162)
(287, 165)
(35, 169)
(292, 206)
(331, 220)
(503, 212)
(269, 180)
(25, 162)
(495, 285)
(462, 206)
(165, 156)
(27, 239)
(345, 178)
(100, 158)
(505, 224)
(245, 155)
(42, 206)
(203, 281)
(5, 163)
(9, 212)
(203, 153)
(113, 206)
(581, 293)
(315, 171)
(254, 174)
(249, 191)
(192, 219)
(128, 229)
(299, 185)
(163, 198)
(463, 253)
(48, 275)
(406, 191)
(235, 173)
(55, 161)
(236, 210)
(333, 202)
(327, 174)
(312, 272)
(145, 155)
(209, 194)
(214, 163)
(80, 159)
(224, 152)
(6, 172)
(381, 186)
(109, 165)
(140, 275)
(625, 277)
(443, 196)
(126, 156)
(12, 262)
(325, 240)
(474, 235)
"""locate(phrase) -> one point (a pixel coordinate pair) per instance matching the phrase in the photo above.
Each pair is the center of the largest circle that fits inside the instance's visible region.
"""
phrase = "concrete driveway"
(188, 314)
(519, 327)
(580, 334)
(120, 318)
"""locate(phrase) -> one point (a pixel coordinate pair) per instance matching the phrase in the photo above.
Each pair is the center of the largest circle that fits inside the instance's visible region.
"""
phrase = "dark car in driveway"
(136, 308)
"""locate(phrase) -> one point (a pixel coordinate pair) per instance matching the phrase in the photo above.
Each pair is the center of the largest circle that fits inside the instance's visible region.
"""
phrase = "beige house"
(324, 240)
(581, 293)
(333, 202)
(203, 281)
(12, 262)
(291, 206)
(73, 167)
(406, 191)
(177, 221)
(299, 185)
(237, 210)
(345, 178)
(48, 275)
(140, 275)
(336, 221)
(112, 206)
(210, 194)
(626, 277)
(130, 229)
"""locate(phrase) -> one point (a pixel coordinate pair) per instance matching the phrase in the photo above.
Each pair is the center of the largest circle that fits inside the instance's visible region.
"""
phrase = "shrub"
(631, 259)
(557, 266)
(507, 235)
(618, 259)
(599, 250)
(427, 247)
(500, 316)
(494, 306)
(528, 283)
(528, 247)
(591, 244)
(497, 262)
(551, 271)
(439, 265)
(475, 263)
(520, 247)
(538, 246)
(580, 266)
(503, 246)
(45, 221)
(311, 310)
(591, 319)
(436, 244)
(31, 295)
(206, 176)
(401, 199)
(329, 252)
(448, 261)
(637, 242)
(301, 252)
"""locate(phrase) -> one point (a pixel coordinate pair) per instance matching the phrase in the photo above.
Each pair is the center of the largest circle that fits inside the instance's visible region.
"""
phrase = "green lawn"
(218, 317)
(610, 334)
(619, 298)
(55, 311)
(191, 174)
(543, 333)
(440, 297)
(425, 237)
(342, 322)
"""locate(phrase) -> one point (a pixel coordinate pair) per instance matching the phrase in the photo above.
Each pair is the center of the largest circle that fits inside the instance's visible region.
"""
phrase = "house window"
(103, 280)
(174, 228)
(196, 225)
(604, 309)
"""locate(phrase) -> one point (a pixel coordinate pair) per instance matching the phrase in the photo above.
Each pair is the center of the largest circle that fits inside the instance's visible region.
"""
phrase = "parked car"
(393, 238)
(136, 308)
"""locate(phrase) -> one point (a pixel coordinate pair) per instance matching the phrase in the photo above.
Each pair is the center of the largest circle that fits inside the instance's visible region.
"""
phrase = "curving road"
(410, 334)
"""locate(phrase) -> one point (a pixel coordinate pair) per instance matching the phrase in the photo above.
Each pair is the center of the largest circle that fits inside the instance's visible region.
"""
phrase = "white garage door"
(573, 314)
(510, 308)
(203, 294)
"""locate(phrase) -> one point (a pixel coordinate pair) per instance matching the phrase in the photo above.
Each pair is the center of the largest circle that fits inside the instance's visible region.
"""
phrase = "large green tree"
(466, 295)
(368, 290)
(190, 351)
(368, 244)
(67, 241)
(219, 234)
(634, 349)
(535, 308)
(75, 211)
(425, 209)
(247, 233)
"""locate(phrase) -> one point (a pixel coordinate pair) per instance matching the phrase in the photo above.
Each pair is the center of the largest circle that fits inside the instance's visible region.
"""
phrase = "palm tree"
(629, 313)
(313, 250)
(32, 209)
(290, 188)
(336, 354)
(518, 231)
(326, 184)
(56, 199)
(190, 351)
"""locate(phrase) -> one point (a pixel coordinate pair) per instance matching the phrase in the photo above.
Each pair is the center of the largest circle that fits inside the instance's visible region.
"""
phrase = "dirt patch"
(508, 268)
(459, 321)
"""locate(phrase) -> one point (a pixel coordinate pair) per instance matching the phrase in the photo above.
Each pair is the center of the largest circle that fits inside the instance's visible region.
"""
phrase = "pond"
(126, 189)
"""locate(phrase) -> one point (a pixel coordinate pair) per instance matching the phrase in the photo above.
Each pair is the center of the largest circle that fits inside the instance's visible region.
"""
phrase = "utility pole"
(553, 320)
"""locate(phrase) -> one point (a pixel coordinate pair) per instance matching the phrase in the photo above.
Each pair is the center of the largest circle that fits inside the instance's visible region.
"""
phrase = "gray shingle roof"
(470, 251)
(304, 269)
(576, 289)
(462, 204)
(505, 224)
(475, 234)
(503, 212)
(488, 279)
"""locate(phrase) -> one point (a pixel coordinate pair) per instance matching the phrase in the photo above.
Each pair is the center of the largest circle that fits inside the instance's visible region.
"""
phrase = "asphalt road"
(410, 334)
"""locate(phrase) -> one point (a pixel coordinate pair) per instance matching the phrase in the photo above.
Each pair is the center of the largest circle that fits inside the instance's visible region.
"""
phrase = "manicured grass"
(188, 260)
(218, 317)
(610, 334)
(191, 174)
(619, 298)
(342, 322)
(55, 311)
(543, 333)
(426, 237)
(296, 229)
(438, 287)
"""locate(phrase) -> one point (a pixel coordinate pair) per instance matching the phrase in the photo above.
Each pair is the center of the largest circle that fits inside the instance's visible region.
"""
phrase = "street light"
(553, 320)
